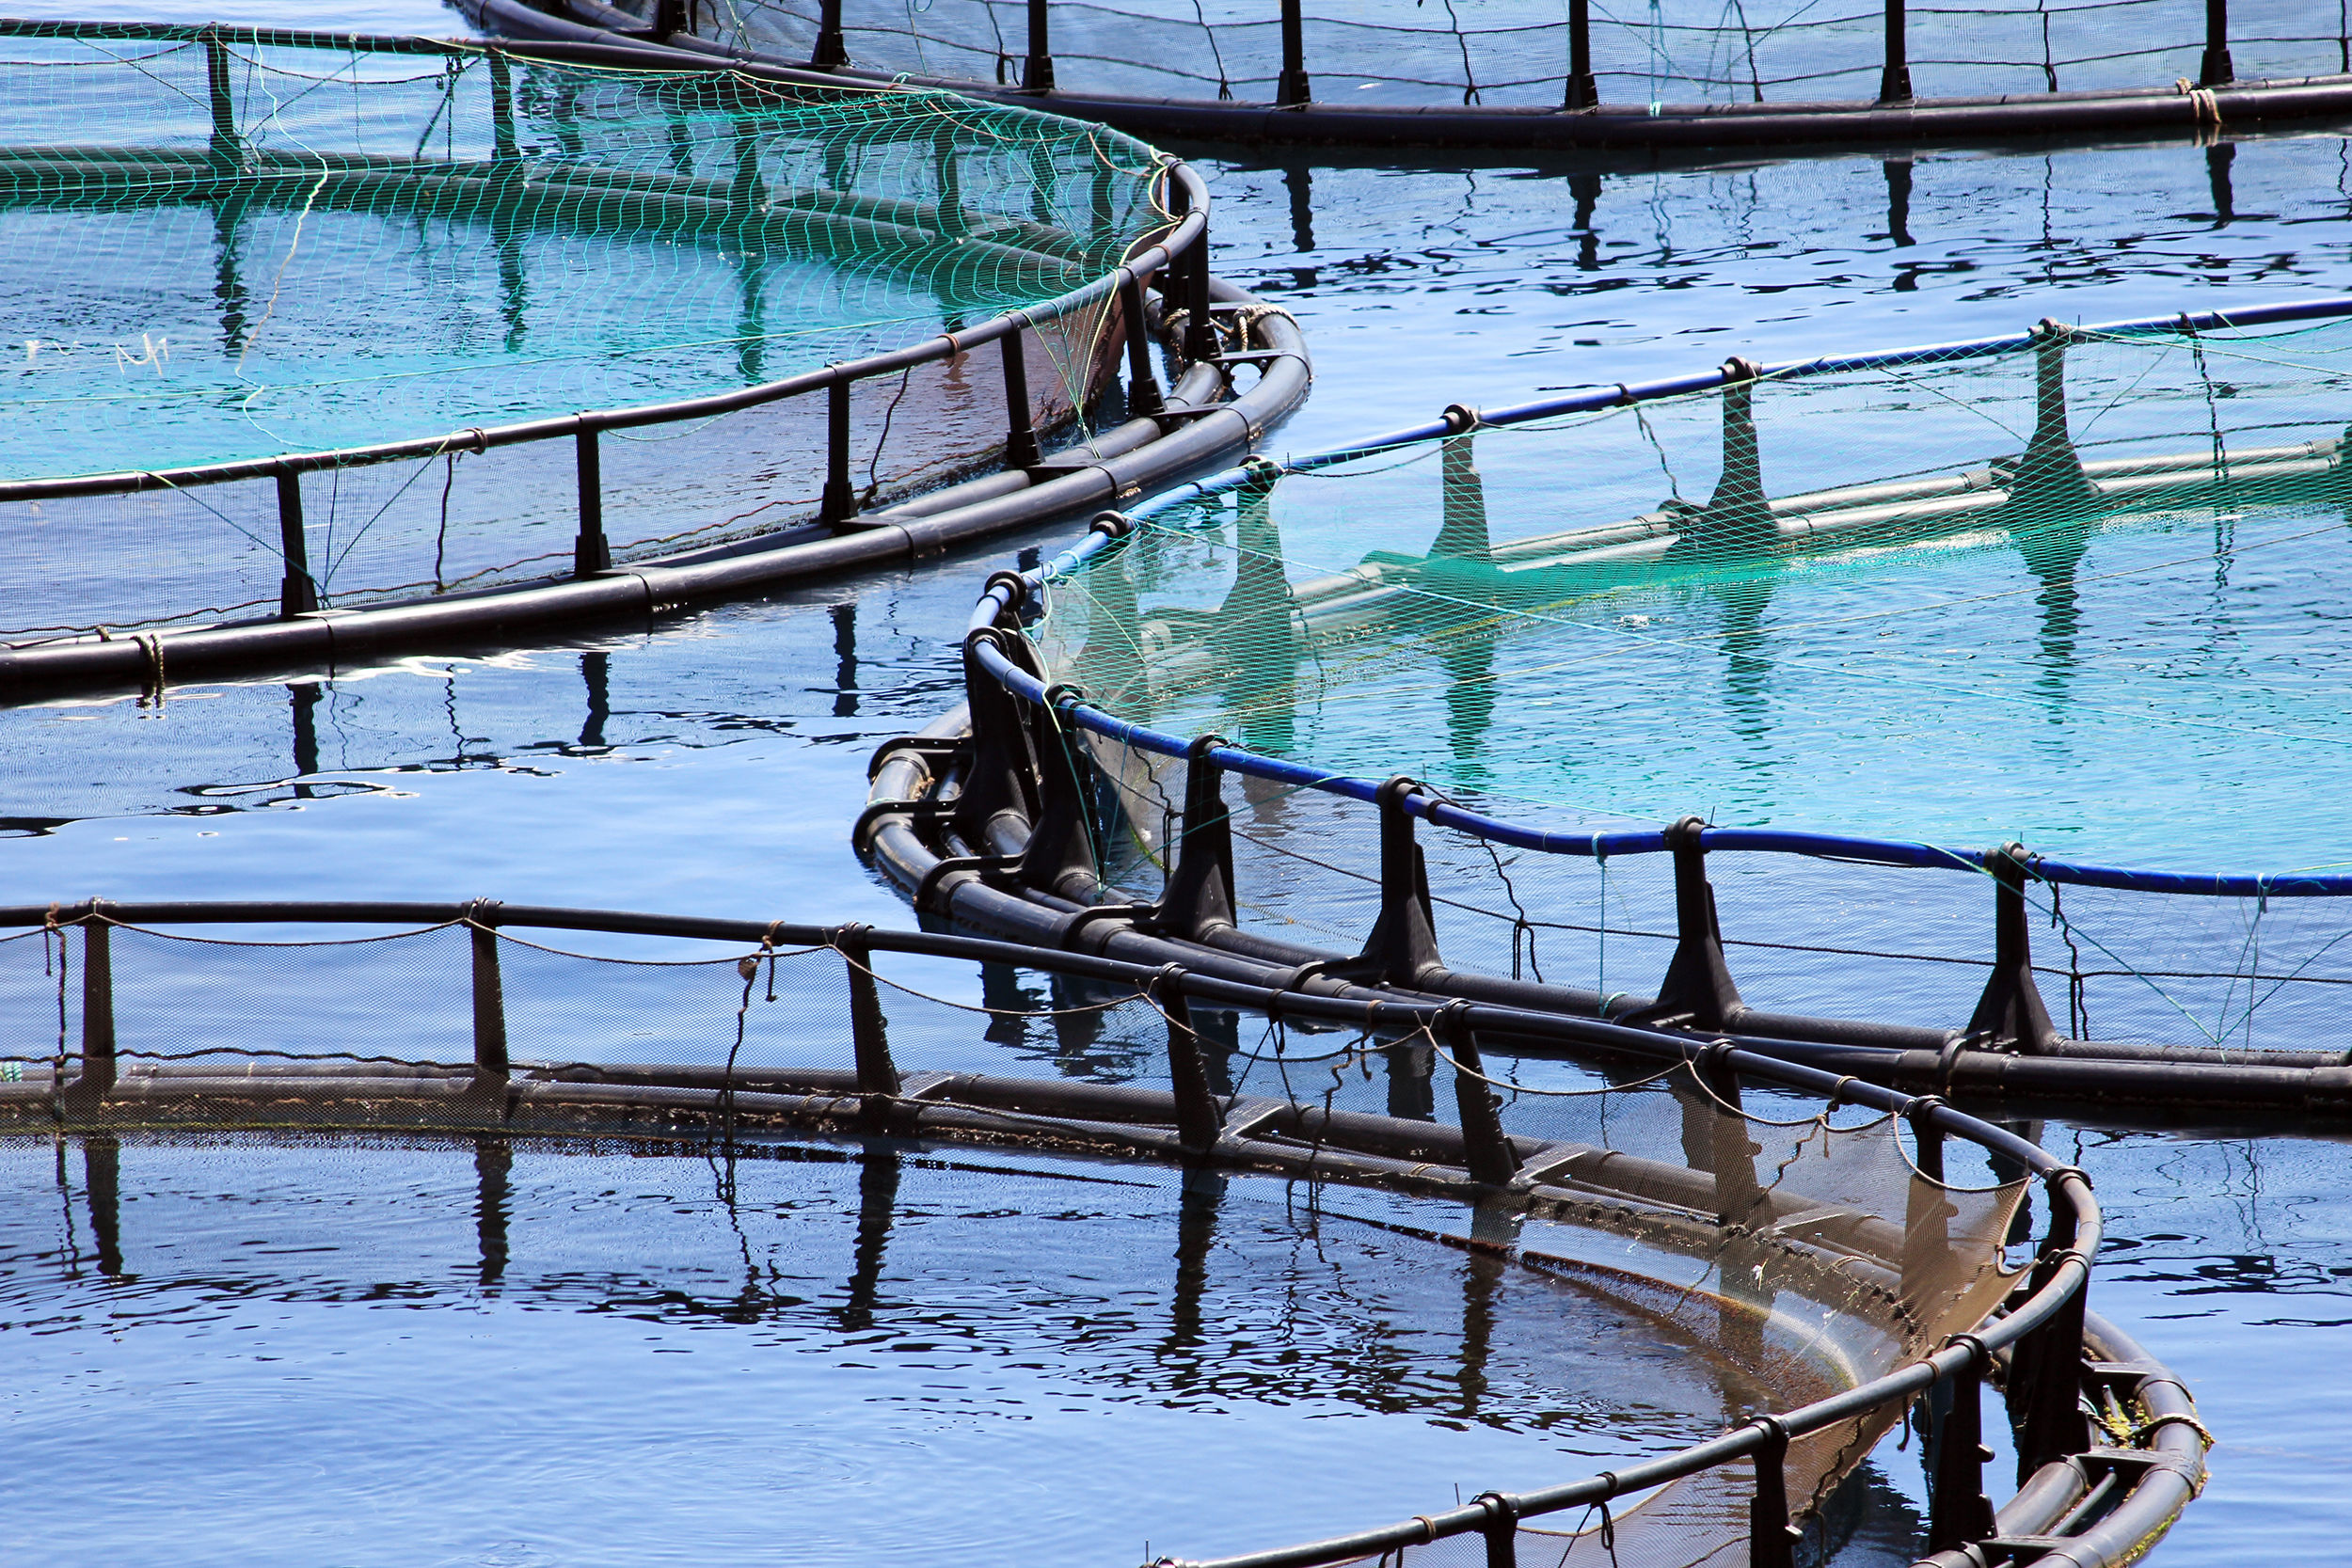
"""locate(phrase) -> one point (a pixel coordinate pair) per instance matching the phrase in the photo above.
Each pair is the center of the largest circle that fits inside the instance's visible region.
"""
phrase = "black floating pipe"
(2217, 70)
(589, 553)
(1584, 90)
(1293, 87)
(831, 49)
(297, 592)
(1895, 80)
(1037, 71)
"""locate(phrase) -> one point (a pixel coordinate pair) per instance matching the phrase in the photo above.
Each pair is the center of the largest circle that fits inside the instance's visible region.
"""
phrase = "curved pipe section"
(1204, 420)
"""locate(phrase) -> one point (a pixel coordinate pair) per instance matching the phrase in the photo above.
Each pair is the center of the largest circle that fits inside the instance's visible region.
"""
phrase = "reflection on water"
(791, 1335)
(715, 767)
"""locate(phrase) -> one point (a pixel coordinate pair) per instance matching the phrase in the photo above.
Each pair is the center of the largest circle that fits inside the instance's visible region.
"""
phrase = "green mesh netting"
(222, 250)
(1960, 601)
(2086, 595)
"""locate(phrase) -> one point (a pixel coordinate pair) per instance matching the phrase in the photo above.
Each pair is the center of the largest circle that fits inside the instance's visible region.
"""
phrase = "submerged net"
(223, 249)
(1515, 52)
(1694, 1262)
(2078, 596)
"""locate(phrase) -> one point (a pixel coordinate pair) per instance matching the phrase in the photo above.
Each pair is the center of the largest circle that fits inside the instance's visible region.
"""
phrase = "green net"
(228, 248)
(1921, 602)
(2085, 595)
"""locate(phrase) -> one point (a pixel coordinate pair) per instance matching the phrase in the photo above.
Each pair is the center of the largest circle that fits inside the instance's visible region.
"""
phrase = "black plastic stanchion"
(2215, 70)
(831, 49)
(870, 1032)
(2049, 481)
(1737, 519)
(1144, 397)
(2010, 1014)
(502, 141)
(98, 1003)
(1697, 990)
(1061, 857)
(1959, 1513)
(1021, 448)
(1502, 1529)
(489, 996)
(839, 503)
(1199, 895)
(1487, 1147)
(1895, 79)
(1403, 947)
(1002, 776)
(1771, 1539)
(2045, 1376)
(226, 152)
(589, 553)
(1583, 92)
(1198, 1121)
(1293, 89)
(1037, 71)
(1462, 532)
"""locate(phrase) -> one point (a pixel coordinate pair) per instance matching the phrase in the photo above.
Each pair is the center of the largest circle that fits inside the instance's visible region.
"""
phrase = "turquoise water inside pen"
(715, 764)
(286, 312)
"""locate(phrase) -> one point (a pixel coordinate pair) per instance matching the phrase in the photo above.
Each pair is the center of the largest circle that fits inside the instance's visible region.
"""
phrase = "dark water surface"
(366, 1352)
(715, 766)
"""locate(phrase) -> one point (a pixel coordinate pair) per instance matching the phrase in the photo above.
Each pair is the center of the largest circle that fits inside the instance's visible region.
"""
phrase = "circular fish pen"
(1721, 1275)
(1664, 752)
(337, 346)
(1531, 75)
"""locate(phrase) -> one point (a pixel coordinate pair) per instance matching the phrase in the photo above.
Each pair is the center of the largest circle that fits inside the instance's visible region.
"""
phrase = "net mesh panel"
(1515, 52)
(232, 252)
(2043, 598)
(1794, 1250)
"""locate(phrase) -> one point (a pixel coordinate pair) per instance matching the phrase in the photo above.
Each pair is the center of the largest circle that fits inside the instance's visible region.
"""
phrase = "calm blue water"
(716, 766)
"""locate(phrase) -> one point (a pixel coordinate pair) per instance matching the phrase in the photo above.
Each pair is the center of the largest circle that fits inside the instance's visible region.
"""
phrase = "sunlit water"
(715, 766)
